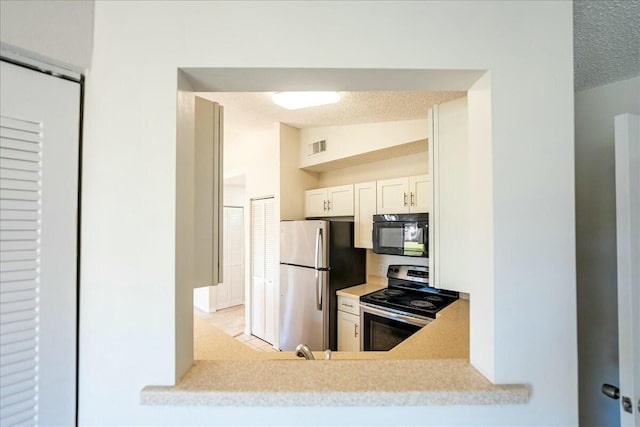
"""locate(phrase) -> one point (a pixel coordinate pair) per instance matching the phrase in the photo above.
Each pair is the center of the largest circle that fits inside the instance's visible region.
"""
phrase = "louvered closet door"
(269, 272)
(39, 128)
(263, 265)
(257, 268)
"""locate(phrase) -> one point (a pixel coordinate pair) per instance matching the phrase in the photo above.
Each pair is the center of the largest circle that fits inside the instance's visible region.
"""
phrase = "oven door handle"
(395, 316)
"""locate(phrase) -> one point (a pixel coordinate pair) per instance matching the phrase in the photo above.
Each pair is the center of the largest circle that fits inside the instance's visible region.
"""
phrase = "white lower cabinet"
(348, 324)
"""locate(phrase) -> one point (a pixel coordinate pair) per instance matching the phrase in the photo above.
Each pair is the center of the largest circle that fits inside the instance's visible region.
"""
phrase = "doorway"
(223, 305)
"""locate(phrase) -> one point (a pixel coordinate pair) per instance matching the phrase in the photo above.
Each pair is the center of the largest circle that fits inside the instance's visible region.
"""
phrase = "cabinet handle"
(355, 331)
(328, 205)
(412, 199)
(324, 205)
(405, 199)
(347, 305)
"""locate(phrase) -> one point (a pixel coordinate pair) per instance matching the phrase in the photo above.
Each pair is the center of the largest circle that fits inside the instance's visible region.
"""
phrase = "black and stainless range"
(391, 315)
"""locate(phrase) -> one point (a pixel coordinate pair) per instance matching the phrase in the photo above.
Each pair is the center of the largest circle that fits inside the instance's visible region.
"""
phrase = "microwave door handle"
(319, 251)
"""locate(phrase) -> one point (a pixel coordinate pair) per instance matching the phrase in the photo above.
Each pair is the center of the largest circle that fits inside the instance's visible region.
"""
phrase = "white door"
(230, 292)
(235, 257)
(393, 196)
(39, 140)
(627, 158)
(263, 265)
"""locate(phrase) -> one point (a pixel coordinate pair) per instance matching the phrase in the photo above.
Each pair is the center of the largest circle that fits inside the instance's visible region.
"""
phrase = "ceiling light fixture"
(298, 100)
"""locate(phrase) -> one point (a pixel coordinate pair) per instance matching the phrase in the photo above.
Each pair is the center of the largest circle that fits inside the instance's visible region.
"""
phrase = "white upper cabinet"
(340, 200)
(315, 203)
(393, 196)
(419, 194)
(331, 201)
(364, 195)
(403, 195)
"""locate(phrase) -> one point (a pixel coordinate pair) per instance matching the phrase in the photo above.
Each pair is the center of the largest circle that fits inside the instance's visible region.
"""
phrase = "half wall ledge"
(334, 383)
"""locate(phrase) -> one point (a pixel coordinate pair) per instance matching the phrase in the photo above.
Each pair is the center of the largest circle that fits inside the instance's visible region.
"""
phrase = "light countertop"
(334, 383)
(236, 375)
(359, 290)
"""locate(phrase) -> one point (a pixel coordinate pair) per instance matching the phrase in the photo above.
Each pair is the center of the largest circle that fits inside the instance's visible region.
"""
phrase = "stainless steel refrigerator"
(317, 258)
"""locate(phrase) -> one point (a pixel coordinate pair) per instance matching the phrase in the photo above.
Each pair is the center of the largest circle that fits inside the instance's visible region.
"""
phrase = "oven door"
(382, 330)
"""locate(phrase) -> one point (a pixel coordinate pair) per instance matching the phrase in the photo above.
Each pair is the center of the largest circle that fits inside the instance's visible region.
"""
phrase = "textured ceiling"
(256, 111)
(606, 41)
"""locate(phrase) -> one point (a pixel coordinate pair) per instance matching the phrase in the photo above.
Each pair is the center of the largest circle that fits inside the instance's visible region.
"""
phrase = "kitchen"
(366, 168)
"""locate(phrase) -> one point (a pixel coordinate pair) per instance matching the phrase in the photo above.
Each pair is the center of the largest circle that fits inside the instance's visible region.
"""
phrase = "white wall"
(234, 195)
(347, 141)
(293, 180)
(254, 154)
(394, 167)
(480, 215)
(60, 30)
(596, 244)
(128, 230)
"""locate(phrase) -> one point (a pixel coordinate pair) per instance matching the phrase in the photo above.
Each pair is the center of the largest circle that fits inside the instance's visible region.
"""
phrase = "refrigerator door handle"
(319, 251)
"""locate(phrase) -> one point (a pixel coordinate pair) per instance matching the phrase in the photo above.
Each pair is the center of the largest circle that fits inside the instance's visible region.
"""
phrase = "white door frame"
(627, 158)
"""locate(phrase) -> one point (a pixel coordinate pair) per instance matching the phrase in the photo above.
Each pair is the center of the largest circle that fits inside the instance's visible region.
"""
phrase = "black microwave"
(401, 234)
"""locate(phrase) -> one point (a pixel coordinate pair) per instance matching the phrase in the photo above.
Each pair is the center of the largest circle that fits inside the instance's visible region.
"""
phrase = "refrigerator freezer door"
(300, 321)
(299, 241)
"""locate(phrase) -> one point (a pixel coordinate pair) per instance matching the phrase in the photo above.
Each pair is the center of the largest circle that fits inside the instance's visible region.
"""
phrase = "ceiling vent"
(317, 147)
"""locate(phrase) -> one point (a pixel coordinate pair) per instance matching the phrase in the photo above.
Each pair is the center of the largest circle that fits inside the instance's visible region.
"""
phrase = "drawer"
(350, 305)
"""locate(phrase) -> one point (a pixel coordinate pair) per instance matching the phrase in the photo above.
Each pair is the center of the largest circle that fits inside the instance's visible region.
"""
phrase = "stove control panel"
(412, 273)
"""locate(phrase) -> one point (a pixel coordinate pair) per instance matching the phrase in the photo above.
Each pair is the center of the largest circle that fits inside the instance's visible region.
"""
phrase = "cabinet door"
(348, 331)
(419, 194)
(364, 208)
(315, 203)
(393, 196)
(340, 200)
